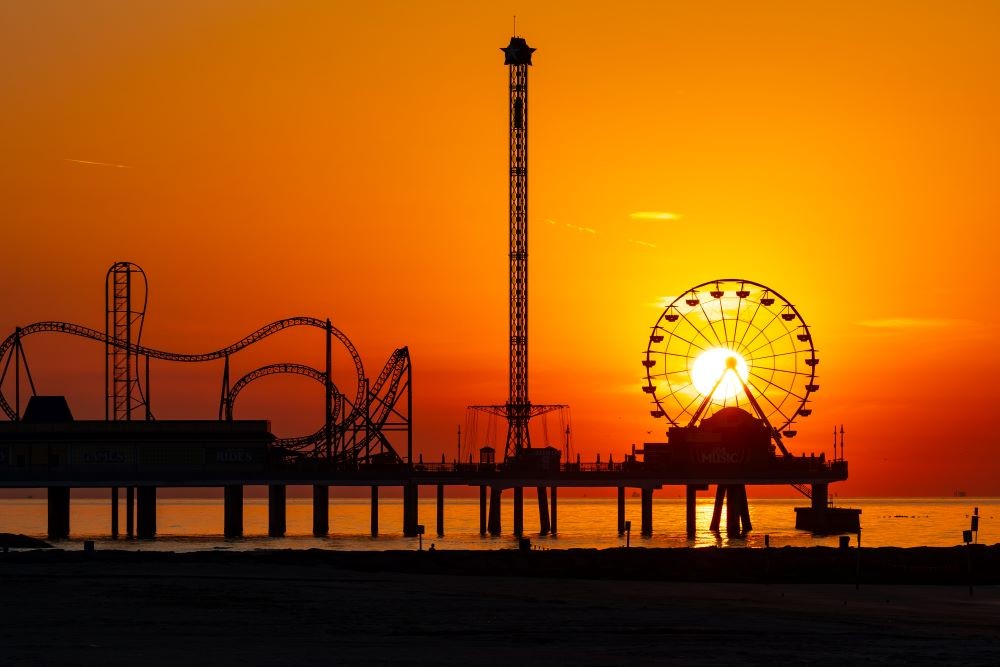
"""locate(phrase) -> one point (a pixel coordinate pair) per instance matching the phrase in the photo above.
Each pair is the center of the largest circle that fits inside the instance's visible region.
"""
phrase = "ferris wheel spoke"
(750, 322)
(698, 331)
(710, 323)
(776, 408)
(763, 329)
(689, 342)
(787, 390)
(776, 354)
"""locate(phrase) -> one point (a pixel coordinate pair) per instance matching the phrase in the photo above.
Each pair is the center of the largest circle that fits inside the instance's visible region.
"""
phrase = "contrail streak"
(99, 164)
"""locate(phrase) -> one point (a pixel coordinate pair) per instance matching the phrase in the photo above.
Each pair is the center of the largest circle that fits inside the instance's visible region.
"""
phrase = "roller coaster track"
(246, 341)
(298, 442)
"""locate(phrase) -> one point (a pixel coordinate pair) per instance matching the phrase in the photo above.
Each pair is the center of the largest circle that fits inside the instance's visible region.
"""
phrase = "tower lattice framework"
(517, 56)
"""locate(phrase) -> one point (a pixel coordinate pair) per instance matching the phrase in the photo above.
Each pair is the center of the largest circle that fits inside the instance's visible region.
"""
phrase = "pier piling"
(482, 510)
(233, 510)
(518, 511)
(440, 510)
(114, 512)
(58, 511)
(321, 510)
(145, 505)
(543, 511)
(494, 525)
(690, 510)
(374, 511)
(720, 495)
(130, 511)
(647, 512)
(276, 507)
(555, 506)
(621, 510)
(410, 515)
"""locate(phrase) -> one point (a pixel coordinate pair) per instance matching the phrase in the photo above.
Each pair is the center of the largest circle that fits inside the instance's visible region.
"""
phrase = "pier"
(142, 457)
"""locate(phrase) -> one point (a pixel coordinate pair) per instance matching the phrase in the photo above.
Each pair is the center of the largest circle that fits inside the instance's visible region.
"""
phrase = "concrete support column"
(518, 511)
(690, 511)
(555, 507)
(114, 512)
(321, 510)
(130, 511)
(732, 511)
(145, 514)
(233, 510)
(482, 510)
(720, 496)
(374, 511)
(543, 511)
(820, 496)
(494, 524)
(58, 507)
(744, 510)
(410, 515)
(621, 510)
(440, 510)
(276, 505)
(647, 512)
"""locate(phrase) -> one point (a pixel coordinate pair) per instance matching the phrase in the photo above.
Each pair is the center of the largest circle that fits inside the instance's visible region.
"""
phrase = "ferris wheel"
(731, 342)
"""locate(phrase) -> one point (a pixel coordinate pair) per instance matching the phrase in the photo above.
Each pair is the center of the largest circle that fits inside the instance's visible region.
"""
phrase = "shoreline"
(785, 565)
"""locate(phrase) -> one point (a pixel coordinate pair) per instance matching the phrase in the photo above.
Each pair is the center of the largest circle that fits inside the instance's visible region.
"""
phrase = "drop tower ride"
(517, 57)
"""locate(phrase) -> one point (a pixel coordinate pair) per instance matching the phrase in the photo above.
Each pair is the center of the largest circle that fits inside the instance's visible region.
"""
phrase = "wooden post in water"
(374, 511)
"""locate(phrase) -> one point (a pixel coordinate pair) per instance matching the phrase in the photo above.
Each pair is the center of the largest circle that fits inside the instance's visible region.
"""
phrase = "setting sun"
(723, 366)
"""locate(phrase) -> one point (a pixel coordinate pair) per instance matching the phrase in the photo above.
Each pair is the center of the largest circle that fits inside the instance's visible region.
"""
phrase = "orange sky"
(286, 158)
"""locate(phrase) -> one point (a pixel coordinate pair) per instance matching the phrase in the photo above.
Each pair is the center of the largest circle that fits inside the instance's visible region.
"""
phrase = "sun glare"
(715, 363)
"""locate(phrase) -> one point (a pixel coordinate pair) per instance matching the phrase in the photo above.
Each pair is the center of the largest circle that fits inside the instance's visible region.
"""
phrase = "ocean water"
(197, 523)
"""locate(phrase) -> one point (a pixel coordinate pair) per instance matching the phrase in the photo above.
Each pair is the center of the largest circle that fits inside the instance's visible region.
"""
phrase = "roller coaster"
(355, 430)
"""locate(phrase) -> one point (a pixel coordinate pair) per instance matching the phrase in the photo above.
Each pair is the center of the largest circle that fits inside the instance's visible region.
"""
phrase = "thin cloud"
(654, 215)
(99, 164)
(644, 244)
(578, 228)
(910, 323)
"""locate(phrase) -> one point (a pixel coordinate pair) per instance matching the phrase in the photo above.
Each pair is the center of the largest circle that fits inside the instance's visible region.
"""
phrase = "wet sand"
(305, 607)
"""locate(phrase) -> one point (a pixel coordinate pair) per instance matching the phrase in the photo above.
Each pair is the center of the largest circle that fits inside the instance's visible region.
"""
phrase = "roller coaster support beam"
(328, 423)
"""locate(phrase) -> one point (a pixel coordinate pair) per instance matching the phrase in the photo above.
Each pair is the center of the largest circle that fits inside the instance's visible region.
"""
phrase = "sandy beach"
(65, 608)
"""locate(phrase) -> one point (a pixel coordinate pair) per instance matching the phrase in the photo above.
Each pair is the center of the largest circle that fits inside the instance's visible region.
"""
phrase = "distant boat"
(959, 494)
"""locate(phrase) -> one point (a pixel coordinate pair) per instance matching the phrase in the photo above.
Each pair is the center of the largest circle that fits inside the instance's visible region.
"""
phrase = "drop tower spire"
(517, 57)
